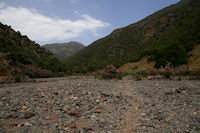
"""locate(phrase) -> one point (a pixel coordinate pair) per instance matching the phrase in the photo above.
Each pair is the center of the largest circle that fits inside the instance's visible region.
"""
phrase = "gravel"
(83, 104)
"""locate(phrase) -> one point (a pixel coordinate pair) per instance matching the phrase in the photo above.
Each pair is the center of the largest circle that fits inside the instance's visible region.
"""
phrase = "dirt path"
(129, 117)
(86, 105)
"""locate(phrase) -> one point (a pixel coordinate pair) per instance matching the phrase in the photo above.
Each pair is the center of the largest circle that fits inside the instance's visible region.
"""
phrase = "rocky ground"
(87, 105)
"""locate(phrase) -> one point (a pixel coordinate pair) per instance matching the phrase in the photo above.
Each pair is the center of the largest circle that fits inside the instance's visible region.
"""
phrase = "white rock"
(93, 117)
(27, 124)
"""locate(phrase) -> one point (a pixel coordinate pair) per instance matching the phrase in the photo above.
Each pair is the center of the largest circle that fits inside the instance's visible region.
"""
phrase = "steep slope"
(64, 50)
(24, 57)
(177, 25)
(194, 59)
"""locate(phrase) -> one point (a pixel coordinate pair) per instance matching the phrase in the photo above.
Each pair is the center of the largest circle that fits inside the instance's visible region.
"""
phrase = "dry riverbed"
(87, 105)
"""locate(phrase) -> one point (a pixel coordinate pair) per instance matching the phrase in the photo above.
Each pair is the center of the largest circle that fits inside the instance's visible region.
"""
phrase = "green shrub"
(179, 78)
(132, 71)
(152, 71)
(98, 76)
(143, 73)
(19, 78)
(168, 74)
(138, 77)
(173, 53)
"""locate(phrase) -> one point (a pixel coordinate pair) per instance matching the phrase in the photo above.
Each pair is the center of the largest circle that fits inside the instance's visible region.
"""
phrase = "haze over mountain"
(166, 35)
(64, 50)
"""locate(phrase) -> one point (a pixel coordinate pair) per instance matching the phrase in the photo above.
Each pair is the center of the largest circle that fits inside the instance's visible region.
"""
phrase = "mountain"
(64, 50)
(19, 56)
(167, 35)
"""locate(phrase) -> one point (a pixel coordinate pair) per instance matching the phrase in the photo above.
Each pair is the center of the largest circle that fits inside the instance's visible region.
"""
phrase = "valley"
(141, 78)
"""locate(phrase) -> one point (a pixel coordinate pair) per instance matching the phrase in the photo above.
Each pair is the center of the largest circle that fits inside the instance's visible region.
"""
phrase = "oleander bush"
(110, 72)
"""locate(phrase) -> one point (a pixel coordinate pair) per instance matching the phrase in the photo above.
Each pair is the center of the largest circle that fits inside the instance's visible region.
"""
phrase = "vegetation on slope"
(64, 50)
(25, 56)
(194, 59)
(176, 27)
(142, 64)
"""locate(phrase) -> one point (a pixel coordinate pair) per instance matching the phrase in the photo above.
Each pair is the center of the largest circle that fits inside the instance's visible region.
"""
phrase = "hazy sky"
(50, 21)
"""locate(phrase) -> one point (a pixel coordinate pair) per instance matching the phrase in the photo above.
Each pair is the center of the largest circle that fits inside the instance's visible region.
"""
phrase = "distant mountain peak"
(64, 50)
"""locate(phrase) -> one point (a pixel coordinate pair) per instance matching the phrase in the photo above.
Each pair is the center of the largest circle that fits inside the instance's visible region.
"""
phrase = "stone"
(27, 124)
(97, 111)
(158, 77)
(195, 113)
(184, 92)
(54, 117)
(24, 107)
(65, 108)
(14, 115)
(70, 124)
(97, 101)
(28, 115)
(101, 119)
(74, 98)
(42, 95)
(4, 99)
(137, 108)
(56, 93)
(13, 124)
(74, 112)
(143, 114)
(150, 77)
(93, 117)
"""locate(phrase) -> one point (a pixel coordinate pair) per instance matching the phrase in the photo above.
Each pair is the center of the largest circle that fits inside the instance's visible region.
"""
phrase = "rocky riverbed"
(87, 105)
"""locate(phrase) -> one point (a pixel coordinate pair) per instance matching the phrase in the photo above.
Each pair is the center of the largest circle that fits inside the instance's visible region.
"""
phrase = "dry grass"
(194, 59)
(142, 64)
(3, 78)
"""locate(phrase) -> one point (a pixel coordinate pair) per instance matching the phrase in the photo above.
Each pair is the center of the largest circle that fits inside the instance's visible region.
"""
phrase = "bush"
(167, 68)
(19, 78)
(143, 73)
(176, 54)
(36, 72)
(110, 72)
(152, 71)
(98, 76)
(182, 70)
(132, 71)
(179, 78)
(138, 77)
(168, 74)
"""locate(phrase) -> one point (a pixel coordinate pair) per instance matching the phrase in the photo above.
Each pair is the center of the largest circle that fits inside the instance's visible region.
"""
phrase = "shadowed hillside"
(24, 57)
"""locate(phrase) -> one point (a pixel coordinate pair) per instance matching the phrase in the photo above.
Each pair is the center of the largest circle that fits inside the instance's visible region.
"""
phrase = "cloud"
(2, 5)
(73, 1)
(43, 29)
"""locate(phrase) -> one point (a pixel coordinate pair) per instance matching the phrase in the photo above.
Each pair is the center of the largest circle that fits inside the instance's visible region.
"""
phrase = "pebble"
(28, 114)
(70, 124)
(93, 117)
(74, 112)
(97, 111)
(24, 107)
(27, 124)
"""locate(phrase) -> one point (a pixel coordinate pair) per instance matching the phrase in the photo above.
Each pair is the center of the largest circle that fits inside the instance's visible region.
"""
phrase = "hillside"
(23, 57)
(168, 33)
(64, 50)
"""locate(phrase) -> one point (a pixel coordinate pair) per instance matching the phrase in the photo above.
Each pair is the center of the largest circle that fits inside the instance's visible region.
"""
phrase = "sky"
(85, 21)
